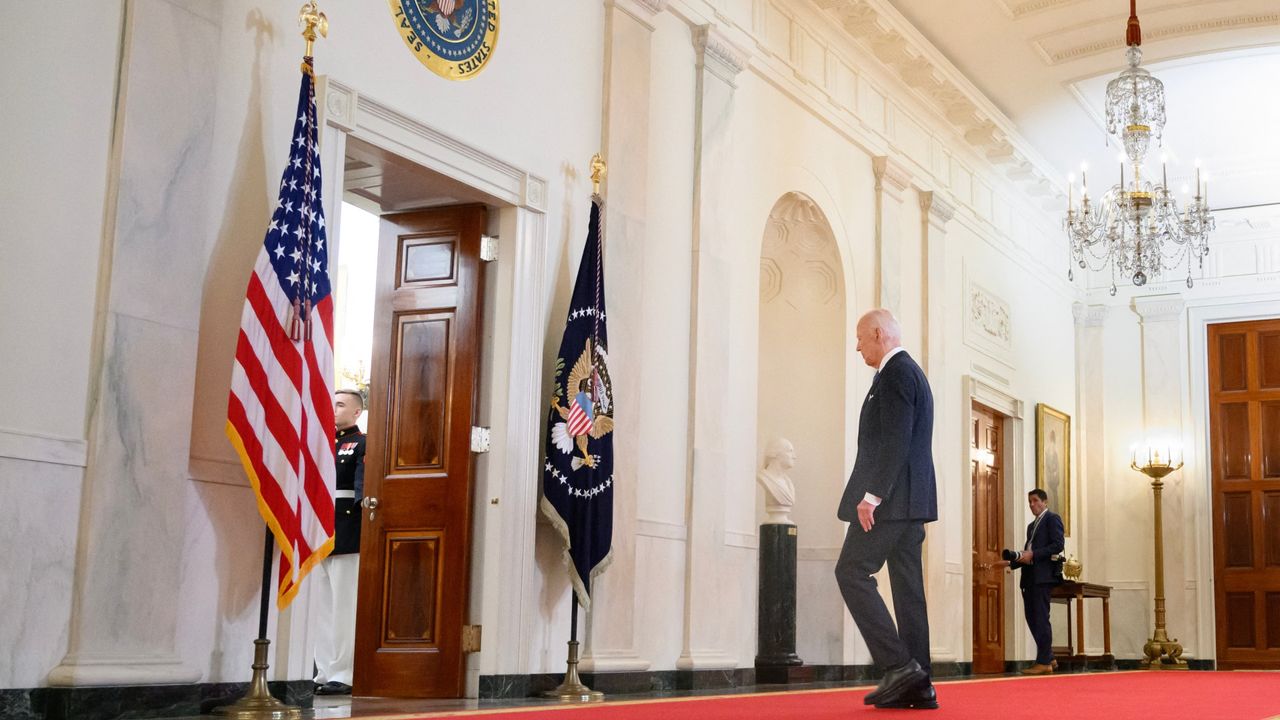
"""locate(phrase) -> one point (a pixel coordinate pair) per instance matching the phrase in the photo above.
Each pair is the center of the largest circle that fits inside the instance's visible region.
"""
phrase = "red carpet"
(1147, 695)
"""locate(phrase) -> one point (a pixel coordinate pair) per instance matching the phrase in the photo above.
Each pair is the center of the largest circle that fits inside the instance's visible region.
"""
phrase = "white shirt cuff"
(875, 501)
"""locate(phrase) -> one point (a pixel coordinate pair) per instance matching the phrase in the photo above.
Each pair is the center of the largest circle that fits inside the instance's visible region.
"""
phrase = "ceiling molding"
(895, 42)
(1019, 10)
(1106, 35)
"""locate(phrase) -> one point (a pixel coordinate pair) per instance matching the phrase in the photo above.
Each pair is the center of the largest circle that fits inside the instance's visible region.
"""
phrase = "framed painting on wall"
(1053, 460)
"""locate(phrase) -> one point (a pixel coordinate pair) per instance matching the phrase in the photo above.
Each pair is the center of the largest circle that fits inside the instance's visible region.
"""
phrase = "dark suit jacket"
(895, 447)
(349, 451)
(1048, 541)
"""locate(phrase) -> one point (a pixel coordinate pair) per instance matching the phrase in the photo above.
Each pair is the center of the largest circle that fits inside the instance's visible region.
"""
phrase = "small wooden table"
(1074, 657)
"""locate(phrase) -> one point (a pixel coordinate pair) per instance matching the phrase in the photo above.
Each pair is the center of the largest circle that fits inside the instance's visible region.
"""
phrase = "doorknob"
(372, 504)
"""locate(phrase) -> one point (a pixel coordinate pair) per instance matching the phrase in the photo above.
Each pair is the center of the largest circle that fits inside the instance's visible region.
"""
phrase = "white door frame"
(1198, 510)
(977, 390)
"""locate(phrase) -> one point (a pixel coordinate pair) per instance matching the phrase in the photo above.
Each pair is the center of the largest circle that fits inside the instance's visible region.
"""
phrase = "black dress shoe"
(896, 683)
(333, 687)
(923, 698)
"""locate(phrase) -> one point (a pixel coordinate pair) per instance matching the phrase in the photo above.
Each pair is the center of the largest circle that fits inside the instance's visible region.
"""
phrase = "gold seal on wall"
(453, 38)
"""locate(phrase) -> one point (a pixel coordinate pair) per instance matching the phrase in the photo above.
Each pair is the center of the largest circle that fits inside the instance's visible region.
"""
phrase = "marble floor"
(390, 708)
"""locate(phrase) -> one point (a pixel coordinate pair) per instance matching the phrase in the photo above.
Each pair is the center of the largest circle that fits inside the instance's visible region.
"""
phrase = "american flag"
(280, 413)
(579, 420)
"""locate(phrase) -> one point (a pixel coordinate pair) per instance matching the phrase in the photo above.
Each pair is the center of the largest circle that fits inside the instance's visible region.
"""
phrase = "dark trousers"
(1035, 602)
(898, 543)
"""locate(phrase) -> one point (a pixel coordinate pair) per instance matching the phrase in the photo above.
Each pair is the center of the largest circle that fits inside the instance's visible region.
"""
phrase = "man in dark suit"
(339, 572)
(1041, 565)
(890, 496)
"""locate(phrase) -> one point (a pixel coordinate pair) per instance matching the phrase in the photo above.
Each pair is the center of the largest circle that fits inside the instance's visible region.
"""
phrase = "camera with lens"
(1009, 555)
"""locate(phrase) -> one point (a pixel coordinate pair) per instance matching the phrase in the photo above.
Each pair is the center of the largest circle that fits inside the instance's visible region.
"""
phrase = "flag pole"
(258, 704)
(572, 690)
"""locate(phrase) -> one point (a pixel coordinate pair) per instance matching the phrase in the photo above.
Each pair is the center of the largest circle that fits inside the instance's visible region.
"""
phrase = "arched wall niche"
(801, 397)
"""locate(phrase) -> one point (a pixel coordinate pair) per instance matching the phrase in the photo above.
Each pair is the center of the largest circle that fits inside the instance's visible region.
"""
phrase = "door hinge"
(488, 248)
(471, 638)
(479, 439)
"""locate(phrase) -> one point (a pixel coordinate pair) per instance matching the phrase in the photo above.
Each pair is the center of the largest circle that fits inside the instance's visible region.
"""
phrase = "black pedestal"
(776, 658)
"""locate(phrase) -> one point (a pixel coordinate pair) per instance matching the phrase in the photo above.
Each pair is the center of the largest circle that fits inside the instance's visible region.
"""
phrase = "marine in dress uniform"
(339, 573)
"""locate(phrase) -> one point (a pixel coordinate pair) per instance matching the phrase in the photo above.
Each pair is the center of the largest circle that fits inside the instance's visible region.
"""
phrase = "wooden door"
(1244, 419)
(987, 462)
(414, 553)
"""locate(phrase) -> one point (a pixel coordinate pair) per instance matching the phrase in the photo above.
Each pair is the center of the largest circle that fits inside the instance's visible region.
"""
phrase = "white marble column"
(892, 180)
(610, 637)
(708, 637)
(944, 547)
(1090, 439)
(1164, 351)
(129, 559)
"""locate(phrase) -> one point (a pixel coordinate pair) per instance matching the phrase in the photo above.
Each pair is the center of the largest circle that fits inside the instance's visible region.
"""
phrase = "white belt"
(344, 494)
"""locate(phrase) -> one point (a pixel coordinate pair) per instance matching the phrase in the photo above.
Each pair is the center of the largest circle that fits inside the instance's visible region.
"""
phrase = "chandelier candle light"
(1137, 228)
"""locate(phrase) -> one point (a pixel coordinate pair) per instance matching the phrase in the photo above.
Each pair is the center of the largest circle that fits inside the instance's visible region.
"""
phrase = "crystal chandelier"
(1137, 229)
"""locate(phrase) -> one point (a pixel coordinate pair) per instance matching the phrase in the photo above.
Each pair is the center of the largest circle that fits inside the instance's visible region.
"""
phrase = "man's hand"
(1025, 557)
(866, 515)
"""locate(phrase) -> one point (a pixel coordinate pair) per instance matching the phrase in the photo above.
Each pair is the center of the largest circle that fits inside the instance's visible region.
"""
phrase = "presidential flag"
(280, 413)
(577, 477)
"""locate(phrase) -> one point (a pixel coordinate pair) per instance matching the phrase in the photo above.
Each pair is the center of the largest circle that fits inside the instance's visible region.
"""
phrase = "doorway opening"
(986, 458)
(409, 307)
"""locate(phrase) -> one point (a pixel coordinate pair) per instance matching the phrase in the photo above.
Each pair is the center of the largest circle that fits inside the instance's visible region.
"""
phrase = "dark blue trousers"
(897, 543)
(1035, 603)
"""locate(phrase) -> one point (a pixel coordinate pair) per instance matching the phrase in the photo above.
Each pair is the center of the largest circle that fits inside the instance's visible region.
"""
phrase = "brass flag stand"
(572, 690)
(258, 704)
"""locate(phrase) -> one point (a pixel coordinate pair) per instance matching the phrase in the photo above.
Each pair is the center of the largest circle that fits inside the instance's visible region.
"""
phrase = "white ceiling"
(1045, 64)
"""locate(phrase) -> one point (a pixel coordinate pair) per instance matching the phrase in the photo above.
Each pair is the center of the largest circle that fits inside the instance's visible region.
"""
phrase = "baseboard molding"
(137, 701)
(494, 687)
(1192, 664)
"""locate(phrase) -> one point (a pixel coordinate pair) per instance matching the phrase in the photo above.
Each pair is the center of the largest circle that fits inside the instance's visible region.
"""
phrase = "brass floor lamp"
(1157, 461)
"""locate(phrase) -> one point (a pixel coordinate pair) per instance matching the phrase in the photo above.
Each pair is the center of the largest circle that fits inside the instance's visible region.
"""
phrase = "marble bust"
(779, 491)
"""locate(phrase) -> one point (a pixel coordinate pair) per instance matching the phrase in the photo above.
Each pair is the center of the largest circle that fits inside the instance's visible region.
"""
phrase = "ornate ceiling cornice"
(888, 36)
(1101, 37)
(719, 54)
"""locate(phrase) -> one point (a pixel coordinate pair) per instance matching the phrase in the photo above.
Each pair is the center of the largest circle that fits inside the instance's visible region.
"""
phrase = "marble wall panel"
(221, 580)
(38, 567)
(820, 609)
(659, 599)
(161, 209)
(137, 471)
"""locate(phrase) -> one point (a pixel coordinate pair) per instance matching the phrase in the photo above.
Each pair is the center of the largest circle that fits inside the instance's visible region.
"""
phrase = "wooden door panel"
(421, 394)
(1270, 439)
(428, 260)
(414, 555)
(1269, 360)
(1273, 620)
(1234, 370)
(1234, 451)
(1240, 621)
(988, 539)
(412, 587)
(1244, 416)
(1237, 521)
(1271, 528)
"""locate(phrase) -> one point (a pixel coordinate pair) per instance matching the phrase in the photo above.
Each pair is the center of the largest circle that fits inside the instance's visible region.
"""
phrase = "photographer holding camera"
(1041, 564)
